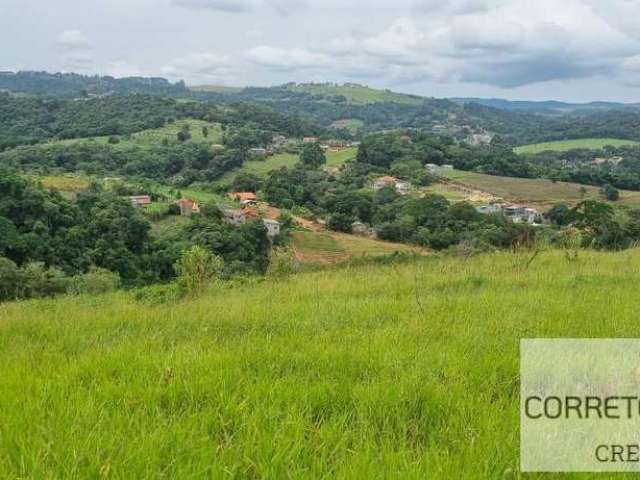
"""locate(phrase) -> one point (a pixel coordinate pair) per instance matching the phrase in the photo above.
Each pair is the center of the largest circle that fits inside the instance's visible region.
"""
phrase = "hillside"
(406, 370)
(568, 145)
(535, 191)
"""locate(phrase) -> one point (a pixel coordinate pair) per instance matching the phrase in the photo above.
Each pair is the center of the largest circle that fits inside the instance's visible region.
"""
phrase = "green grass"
(357, 94)
(536, 191)
(261, 168)
(566, 145)
(399, 371)
(331, 247)
(156, 136)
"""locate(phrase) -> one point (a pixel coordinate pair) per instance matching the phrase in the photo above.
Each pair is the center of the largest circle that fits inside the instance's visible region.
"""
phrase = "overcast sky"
(576, 50)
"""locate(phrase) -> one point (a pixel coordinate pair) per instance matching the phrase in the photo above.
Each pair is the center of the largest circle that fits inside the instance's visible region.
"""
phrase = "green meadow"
(261, 167)
(566, 145)
(157, 135)
(397, 370)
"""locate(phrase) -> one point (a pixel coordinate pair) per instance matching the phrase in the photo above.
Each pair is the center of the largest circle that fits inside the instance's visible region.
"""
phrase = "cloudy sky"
(576, 50)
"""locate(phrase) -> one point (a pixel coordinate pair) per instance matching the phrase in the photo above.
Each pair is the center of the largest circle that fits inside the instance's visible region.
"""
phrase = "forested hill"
(368, 110)
(73, 85)
(31, 120)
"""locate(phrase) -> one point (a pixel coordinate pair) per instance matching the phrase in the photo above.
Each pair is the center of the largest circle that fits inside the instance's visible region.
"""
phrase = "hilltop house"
(139, 201)
(188, 207)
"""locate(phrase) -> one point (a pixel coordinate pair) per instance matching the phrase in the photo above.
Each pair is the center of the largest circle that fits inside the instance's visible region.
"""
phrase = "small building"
(488, 209)
(401, 186)
(447, 167)
(382, 182)
(521, 214)
(188, 207)
(406, 139)
(310, 140)
(234, 216)
(140, 201)
(279, 140)
(216, 147)
(431, 167)
(245, 198)
(273, 227)
(359, 228)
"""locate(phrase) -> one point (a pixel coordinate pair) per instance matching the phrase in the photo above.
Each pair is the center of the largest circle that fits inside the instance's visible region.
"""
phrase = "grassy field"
(262, 167)
(566, 145)
(357, 94)
(537, 191)
(398, 371)
(331, 247)
(156, 136)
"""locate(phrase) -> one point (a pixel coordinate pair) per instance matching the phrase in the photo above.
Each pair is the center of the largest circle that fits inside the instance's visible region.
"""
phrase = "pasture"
(262, 167)
(407, 370)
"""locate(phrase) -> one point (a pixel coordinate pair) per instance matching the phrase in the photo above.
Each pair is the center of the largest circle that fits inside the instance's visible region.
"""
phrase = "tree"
(205, 131)
(196, 268)
(184, 135)
(341, 222)
(313, 156)
(245, 182)
(610, 192)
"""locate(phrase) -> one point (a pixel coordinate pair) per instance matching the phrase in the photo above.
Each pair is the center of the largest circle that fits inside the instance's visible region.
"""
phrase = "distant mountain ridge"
(72, 85)
(547, 106)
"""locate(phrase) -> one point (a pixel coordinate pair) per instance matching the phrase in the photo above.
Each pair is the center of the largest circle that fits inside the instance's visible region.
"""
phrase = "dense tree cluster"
(48, 237)
(178, 163)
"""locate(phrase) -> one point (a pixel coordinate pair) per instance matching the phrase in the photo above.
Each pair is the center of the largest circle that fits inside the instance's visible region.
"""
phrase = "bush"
(159, 294)
(196, 268)
(283, 263)
(97, 280)
(340, 222)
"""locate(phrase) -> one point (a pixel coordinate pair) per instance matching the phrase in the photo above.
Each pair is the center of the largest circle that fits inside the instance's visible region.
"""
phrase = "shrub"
(97, 280)
(196, 268)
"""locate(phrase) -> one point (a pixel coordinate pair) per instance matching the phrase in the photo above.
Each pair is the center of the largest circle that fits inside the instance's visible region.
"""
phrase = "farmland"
(566, 145)
(408, 370)
(537, 191)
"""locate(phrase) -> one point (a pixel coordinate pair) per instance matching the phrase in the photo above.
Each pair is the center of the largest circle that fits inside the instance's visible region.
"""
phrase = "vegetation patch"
(567, 145)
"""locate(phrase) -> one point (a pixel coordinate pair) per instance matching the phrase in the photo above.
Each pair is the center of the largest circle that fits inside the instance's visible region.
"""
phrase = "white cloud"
(287, 58)
(233, 6)
(282, 7)
(73, 40)
(202, 67)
